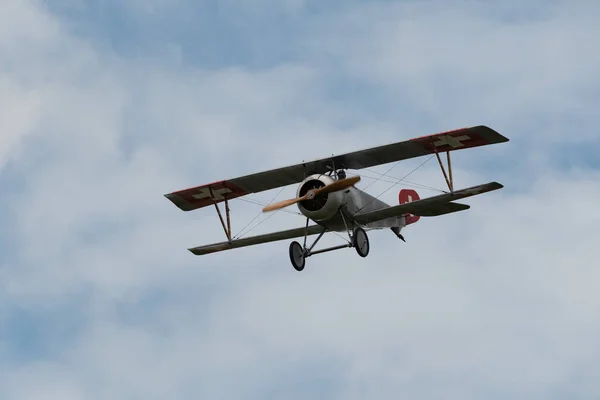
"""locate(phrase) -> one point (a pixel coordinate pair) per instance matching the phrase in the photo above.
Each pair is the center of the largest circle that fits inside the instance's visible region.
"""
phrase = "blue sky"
(106, 106)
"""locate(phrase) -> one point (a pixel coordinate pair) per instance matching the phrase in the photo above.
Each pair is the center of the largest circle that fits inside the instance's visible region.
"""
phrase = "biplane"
(330, 199)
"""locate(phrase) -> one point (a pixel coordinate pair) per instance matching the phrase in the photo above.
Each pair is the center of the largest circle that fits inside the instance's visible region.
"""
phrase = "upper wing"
(430, 207)
(252, 240)
(439, 142)
(201, 196)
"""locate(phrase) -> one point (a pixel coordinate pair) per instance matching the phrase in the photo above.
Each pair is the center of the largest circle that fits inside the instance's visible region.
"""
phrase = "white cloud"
(19, 108)
(470, 63)
(499, 299)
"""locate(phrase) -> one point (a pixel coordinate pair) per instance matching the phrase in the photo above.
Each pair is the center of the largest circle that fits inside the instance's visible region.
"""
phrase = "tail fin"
(407, 196)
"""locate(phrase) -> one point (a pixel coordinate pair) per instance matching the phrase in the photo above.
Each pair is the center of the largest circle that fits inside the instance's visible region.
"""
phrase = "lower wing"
(429, 207)
(258, 239)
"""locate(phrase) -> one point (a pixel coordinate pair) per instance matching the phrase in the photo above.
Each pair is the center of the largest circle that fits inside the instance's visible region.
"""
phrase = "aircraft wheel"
(360, 241)
(297, 256)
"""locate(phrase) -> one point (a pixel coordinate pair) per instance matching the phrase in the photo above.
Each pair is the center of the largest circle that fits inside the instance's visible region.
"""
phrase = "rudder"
(407, 196)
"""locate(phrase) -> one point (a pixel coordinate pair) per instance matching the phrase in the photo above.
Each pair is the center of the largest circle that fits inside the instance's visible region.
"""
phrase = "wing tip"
(203, 196)
(214, 248)
(178, 202)
(462, 138)
(198, 251)
(500, 138)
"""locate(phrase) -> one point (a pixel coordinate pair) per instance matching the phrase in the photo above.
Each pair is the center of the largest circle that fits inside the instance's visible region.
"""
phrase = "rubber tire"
(296, 246)
(360, 232)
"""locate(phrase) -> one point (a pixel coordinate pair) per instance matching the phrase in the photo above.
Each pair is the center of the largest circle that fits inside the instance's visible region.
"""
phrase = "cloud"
(99, 297)
(473, 62)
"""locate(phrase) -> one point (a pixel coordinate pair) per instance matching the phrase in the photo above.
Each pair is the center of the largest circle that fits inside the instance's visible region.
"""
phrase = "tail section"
(407, 196)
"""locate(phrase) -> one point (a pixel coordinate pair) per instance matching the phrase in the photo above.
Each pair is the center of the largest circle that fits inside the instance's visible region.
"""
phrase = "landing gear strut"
(298, 253)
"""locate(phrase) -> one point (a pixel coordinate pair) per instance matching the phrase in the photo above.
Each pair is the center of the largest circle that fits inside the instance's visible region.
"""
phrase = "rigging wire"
(384, 174)
(339, 235)
(239, 234)
(381, 176)
(398, 180)
(394, 184)
(259, 223)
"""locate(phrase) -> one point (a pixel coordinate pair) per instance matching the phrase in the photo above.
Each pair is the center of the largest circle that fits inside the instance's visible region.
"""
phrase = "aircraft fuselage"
(331, 210)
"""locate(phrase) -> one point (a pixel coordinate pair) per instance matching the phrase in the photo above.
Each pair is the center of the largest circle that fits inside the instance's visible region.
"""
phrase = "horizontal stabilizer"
(258, 239)
(435, 210)
(429, 207)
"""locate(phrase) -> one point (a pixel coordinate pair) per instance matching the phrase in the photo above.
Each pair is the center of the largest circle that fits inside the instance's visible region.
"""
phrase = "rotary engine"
(323, 206)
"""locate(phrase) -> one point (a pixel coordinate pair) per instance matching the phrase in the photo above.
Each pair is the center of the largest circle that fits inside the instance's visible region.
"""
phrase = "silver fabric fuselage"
(349, 202)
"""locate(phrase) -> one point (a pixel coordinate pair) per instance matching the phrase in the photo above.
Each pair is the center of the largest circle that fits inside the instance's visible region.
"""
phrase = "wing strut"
(447, 176)
(227, 228)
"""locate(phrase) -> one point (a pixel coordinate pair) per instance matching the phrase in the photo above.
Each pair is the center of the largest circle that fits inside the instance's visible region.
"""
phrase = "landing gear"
(360, 241)
(298, 253)
(297, 256)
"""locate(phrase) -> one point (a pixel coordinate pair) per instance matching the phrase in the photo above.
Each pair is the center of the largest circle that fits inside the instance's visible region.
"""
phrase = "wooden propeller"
(311, 194)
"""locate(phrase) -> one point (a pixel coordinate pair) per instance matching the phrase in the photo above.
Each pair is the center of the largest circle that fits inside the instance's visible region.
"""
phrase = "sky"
(107, 105)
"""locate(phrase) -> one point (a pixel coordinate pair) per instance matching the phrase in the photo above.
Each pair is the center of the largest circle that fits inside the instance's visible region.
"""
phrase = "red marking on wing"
(407, 196)
(451, 140)
(205, 195)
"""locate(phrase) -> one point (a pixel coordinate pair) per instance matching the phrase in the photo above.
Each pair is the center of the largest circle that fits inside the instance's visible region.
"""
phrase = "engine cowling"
(323, 206)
